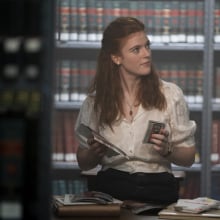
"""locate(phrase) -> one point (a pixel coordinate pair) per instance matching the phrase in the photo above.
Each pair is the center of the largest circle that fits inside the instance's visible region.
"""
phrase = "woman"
(126, 94)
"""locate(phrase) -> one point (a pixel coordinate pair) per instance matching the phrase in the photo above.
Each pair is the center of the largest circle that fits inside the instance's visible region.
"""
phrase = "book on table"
(141, 208)
(91, 203)
(201, 208)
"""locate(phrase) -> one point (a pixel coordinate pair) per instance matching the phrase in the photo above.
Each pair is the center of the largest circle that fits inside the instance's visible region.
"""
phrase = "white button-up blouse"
(129, 135)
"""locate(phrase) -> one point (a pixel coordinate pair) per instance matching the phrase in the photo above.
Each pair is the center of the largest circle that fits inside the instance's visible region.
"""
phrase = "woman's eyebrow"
(134, 47)
(139, 45)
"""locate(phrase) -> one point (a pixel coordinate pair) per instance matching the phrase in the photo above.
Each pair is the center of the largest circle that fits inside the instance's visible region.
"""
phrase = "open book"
(87, 132)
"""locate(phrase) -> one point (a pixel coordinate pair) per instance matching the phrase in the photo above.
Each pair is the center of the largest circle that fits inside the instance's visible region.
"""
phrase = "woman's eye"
(148, 46)
(136, 50)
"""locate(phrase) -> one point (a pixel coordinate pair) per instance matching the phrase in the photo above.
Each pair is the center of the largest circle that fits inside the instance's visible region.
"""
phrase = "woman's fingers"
(97, 148)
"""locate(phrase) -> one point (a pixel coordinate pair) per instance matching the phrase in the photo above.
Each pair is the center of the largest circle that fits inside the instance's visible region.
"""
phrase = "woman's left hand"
(161, 142)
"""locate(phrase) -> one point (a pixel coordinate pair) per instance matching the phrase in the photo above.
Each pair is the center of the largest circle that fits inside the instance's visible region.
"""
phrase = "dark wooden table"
(125, 215)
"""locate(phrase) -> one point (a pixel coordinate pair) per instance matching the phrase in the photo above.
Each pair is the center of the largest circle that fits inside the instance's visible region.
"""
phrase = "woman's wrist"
(169, 150)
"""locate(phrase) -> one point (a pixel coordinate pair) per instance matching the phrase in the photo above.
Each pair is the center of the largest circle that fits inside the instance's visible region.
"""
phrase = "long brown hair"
(107, 85)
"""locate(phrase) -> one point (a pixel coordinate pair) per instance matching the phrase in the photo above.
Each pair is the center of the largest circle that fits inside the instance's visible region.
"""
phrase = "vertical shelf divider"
(207, 98)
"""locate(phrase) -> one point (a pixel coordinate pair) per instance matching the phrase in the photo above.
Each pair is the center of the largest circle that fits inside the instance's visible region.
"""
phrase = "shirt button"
(154, 166)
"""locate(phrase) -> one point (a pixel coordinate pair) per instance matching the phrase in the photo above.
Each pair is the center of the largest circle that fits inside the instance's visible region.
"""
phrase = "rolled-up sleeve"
(183, 129)
(86, 116)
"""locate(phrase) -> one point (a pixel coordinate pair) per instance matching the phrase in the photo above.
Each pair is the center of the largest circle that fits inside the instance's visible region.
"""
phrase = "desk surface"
(125, 215)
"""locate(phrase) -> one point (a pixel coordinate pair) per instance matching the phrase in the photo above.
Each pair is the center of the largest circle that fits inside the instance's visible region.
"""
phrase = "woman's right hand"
(97, 149)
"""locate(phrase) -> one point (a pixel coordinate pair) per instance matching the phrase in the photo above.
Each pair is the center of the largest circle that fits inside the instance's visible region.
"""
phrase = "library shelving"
(26, 101)
(185, 43)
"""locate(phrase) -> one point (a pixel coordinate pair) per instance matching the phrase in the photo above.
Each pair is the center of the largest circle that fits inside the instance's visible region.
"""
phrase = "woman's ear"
(115, 59)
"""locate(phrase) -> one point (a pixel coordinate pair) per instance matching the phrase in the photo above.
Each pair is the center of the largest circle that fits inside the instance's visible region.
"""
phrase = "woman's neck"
(130, 102)
(129, 85)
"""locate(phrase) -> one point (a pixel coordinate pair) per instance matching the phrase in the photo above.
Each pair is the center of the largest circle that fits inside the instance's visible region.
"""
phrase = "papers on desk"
(197, 205)
(201, 208)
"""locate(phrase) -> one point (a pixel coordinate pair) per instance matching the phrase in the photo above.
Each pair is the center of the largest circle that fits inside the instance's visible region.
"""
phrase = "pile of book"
(201, 208)
(90, 203)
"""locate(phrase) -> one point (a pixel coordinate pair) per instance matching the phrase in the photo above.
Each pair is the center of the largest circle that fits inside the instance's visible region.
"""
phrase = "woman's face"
(135, 55)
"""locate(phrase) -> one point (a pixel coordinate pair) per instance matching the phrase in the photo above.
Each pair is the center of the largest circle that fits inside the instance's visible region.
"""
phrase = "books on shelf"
(63, 26)
(57, 138)
(12, 157)
(167, 21)
(190, 187)
(217, 22)
(215, 189)
(63, 136)
(70, 143)
(199, 22)
(191, 22)
(188, 76)
(82, 20)
(74, 20)
(182, 21)
(74, 76)
(217, 84)
(99, 6)
(215, 145)
(173, 20)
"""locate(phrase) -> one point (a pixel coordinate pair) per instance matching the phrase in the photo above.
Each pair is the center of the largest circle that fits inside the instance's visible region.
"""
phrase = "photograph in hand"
(154, 127)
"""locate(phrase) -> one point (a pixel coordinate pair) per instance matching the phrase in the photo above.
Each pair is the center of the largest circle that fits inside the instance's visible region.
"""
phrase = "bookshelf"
(26, 101)
(186, 53)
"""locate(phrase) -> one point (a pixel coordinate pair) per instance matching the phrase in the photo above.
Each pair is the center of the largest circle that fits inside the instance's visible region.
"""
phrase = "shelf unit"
(207, 105)
(203, 52)
(26, 103)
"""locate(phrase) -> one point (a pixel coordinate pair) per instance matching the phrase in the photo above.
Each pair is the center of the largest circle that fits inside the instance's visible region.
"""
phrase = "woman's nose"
(146, 51)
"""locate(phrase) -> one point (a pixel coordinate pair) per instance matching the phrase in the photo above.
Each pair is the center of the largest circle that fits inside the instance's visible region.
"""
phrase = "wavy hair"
(107, 85)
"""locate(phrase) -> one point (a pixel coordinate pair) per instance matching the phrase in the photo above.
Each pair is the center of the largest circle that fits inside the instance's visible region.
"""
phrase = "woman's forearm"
(87, 159)
(182, 156)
